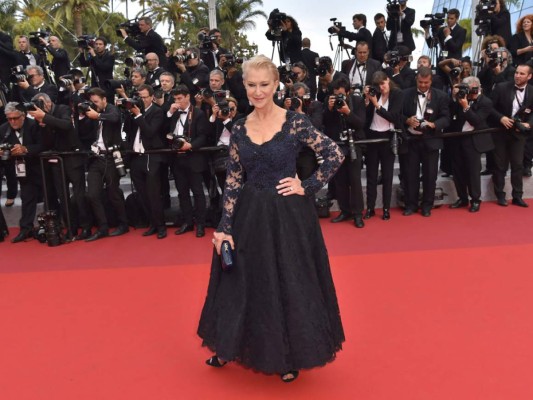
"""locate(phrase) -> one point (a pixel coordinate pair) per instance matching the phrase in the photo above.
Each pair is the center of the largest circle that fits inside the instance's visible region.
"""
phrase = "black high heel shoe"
(289, 376)
(215, 362)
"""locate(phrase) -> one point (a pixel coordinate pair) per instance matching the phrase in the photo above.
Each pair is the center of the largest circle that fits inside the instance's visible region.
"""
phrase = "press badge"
(20, 168)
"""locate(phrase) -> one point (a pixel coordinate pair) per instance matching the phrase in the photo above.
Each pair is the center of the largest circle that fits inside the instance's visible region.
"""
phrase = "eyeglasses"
(31, 76)
(14, 118)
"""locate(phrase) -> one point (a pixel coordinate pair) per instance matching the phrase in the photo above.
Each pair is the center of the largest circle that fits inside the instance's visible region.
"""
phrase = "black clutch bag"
(226, 256)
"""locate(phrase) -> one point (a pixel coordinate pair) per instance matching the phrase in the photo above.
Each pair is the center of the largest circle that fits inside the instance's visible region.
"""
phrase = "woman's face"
(260, 86)
(526, 25)
(384, 87)
(467, 69)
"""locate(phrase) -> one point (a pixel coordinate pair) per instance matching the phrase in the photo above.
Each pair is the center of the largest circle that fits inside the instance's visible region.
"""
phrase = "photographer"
(380, 39)
(211, 48)
(398, 69)
(194, 73)
(521, 44)
(25, 49)
(362, 34)
(399, 22)
(100, 62)
(10, 57)
(60, 62)
(425, 112)
(456, 70)
(33, 84)
(22, 134)
(234, 81)
(450, 37)
(301, 75)
(469, 110)
(361, 68)
(58, 134)
(102, 168)
(284, 29)
(301, 101)
(383, 115)
(205, 99)
(129, 88)
(500, 22)
(344, 120)
(513, 105)
(147, 41)
(425, 61)
(153, 70)
(189, 130)
(326, 76)
(497, 65)
(163, 97)
(144, 131)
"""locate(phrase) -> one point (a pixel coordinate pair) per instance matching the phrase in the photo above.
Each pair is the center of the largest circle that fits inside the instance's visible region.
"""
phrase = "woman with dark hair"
(521, 45)
(302, 76)
(290, 39)
(500, 22)
(384, 108)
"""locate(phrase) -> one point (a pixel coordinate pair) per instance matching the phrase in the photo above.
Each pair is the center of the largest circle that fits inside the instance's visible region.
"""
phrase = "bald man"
(60, 62)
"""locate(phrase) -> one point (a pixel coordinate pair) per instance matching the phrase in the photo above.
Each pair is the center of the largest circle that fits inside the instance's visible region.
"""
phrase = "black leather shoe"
(97, 235)
(150, 232)
(426, 212)
(486, 172)
(369, 213)
(501, 201)
(386, 215)
(85, 233)
(22, 236)
(474, 207)
(184, 228)
(342, 217)
(358, 222)
(121, 230)
(527, 172)
(200, 231)
(408, 211)
(161, 233)
(517, 201)
(459, 204)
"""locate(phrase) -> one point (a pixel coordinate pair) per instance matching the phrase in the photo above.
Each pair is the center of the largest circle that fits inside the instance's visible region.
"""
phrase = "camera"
(18, 74)
(372, 91)
(5, 151)
(340, 101)
(394, 7)
(117, 159)
(182, 57)
(225, 109)
(495, 56)
(32, 105)
(275, 22)
(86, 41)
(434, 21)
(113, 84)
(136, 61)
(131, 27)
(177, 142)
(206, 41)
(332, 29)
(297, 102)
(65, 81)
(519, 126)
(463, 91)
(49, 230)
(357, 89)
(324, 65)
(455, 72)
(128, 104)
(34, 38)
(84, 106)
(231, 60)
(483, 14)
(286, 75)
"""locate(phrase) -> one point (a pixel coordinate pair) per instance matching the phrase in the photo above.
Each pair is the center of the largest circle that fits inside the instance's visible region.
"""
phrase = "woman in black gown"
(276, 311)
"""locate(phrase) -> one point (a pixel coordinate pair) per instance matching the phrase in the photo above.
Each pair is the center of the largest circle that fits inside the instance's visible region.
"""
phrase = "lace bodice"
(266, 164)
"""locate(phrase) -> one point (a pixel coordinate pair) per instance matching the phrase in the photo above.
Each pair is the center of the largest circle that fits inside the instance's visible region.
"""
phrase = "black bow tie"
(361, 65)
(181, 112)
(421, 94)
(519, 89)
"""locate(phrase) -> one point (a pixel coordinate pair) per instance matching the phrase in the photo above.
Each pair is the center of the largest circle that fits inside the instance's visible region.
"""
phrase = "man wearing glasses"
(35, 84)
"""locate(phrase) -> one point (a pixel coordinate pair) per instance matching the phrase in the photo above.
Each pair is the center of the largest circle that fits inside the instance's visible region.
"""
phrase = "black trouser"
(187, 180)
(348, 188)
(30, 191)
(376, 154)
(509, 150)
(419, 155)
(145, 172)
(75, 176)
(102, 171)
(466, 169)
(7, 168)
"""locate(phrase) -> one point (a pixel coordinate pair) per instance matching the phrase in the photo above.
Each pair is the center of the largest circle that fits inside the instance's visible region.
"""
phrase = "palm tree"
(75, 13)
(175, 13)
(7, 15)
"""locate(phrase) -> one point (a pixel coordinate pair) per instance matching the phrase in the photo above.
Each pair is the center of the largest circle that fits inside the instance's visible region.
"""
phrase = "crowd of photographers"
(171, 104)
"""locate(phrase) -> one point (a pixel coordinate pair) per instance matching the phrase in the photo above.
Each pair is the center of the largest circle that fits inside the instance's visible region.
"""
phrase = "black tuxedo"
(187, 167)
(424, 152)
(31, 185)
(209, 56)
(25, 95)
(466, 151)
(201, 73)
(9, 56)
(371, 66)
(153, 76)
(362, 35)
(381, 153)
(322, 93)
(60, 64)
(309, 59)
(380, 44)
(36, 56)
(394, 25)
(145, 169)
(347, 180)
(519, 41)
(509, 144)
(454, 46)
(489, 79)
(149, 42)
(101, 67)
(405, 79)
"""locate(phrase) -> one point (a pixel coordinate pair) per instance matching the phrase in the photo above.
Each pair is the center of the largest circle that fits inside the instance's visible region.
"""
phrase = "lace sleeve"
(321, 144)
(232, 188)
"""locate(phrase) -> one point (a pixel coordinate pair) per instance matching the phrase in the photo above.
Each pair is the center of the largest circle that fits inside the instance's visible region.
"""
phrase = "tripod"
(45, 65)
(337, 59)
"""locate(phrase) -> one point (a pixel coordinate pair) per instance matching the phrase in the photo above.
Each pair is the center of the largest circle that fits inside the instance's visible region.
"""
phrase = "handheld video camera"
(275, 22)
(34, 38)
(18, 74)
(131, 27)
(332, 30)
(434, 21)
(86, 41)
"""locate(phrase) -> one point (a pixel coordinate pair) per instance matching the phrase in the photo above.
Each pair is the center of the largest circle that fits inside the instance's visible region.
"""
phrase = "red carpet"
(436, 308)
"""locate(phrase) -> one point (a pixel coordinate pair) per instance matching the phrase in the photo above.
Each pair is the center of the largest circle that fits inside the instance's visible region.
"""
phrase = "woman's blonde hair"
(260, 62)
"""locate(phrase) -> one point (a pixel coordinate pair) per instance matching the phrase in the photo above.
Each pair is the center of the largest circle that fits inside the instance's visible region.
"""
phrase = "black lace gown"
(277, 310)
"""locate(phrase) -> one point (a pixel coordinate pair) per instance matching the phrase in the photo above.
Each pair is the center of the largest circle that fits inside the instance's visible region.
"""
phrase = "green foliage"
(7, 15)
(467, 24)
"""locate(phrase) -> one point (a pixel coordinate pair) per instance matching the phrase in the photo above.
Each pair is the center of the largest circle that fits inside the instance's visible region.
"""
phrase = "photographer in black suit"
(380, 38)
(513, 107)
(34, 84)
(100, 62)
(60, 62)
(153, 70)
(23, 134)
(212, 49)
(287, 33)
(344, 112)
(399, 22)
(326, 76)
(425, 113)
(362, 34)
(148, 41)
(193, 72)
(102, 169)
(450, 37)
(309, 58)
(469, 110)
(25, 49)
(58, 134)
(189, 130)
(361, 68)
(398, 69)
(144, 131)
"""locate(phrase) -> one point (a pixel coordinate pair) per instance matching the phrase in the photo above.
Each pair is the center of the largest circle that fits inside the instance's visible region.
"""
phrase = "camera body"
(86, 41)
(455, 72)
(66, 81)
(5, 151)
(177, 142)
(324, 65)
(129, 103)
(332, 30)
(372, 91)
(206, 41)
(394, 7)
(393, 58)
(131, 27)
(340, 101)
(286, 75)
(34, 39)
(32, 105)
(495, 56)
(84, 106)
(182, 57)
(357, 89)
(434, 21)
(463, 91)
(231, 60)
(275, 22)
(519, 126)
(18, 74)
